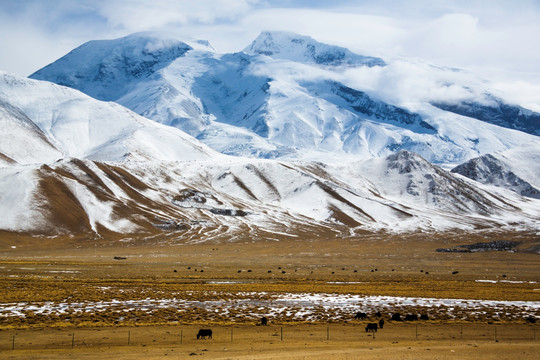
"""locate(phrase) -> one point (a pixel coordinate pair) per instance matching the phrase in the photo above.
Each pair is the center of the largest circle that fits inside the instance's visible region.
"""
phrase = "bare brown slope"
(61, 207)
(65, 213)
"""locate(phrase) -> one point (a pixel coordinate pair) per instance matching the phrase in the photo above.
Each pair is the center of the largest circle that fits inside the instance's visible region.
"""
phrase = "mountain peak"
(489, 169)
(295, 47)
(114, 63)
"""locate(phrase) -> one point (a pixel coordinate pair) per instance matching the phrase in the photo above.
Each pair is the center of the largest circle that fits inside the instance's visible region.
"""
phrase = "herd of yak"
(370, 327)
(373, 327)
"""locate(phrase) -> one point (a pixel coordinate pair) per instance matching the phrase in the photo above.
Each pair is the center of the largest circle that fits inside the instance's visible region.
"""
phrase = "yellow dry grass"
(164, 267)
(395, 341)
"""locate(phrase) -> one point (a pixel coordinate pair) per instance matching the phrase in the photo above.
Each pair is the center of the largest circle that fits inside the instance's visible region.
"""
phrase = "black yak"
(360, 315)
(411, 317)
(371, 327)
(204, 333)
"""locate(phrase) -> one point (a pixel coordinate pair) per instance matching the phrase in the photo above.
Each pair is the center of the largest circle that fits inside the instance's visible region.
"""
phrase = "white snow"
(17, 203)
(278, 99)
(312, 306)
(291, 46)
(99, 212)
(82, 127)
(25, 143)
(524, 161)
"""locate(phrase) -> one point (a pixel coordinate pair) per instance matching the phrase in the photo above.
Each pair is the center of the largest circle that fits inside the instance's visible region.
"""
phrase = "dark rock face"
(497, 113)
(498, 245)
(229, 212)
(488, 169)
(362, 104)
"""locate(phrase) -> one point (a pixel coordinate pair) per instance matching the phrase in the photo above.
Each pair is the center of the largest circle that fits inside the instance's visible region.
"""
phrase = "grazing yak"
(360, 315)
(204, 333)
(264, 321)
(396, 317)
(371, 327)
(411, 317)
(381, 323)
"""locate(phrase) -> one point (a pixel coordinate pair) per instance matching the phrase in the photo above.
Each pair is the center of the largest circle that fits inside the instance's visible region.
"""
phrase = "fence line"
(53, 339)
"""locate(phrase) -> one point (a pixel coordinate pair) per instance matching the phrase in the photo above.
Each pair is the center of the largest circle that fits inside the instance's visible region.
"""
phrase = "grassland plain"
(300, 341)
(46, 279)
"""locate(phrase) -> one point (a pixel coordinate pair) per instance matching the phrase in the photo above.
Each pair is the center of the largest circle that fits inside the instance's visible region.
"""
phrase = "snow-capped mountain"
(241, 198)
(47, 122)
(108, 69)
(288, 96)
(74, 164)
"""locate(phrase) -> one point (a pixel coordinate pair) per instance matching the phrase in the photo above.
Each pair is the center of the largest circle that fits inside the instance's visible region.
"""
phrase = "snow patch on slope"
(99, 212)
(17, 203)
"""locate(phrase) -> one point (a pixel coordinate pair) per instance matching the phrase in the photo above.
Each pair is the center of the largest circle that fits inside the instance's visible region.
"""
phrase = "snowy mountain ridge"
(314, 152)
(304, 49)
(107, 69)
(238, 198)
(288, 96)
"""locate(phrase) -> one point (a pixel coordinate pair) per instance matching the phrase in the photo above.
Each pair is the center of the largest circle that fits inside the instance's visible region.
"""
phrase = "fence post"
(461, 331)
(13, 343)
(72, 340)
(129, 337)
(231, 335)
(416, 332)
(534, 332)
(495, 332)
(181, 335)
(282, 333)
(327, 333)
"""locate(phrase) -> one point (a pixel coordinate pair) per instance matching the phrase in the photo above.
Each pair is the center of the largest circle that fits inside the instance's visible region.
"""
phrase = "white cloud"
(136, 15)
(495, 39)
(24, 48)
(520, 92)
(406, 82)
(356, 30)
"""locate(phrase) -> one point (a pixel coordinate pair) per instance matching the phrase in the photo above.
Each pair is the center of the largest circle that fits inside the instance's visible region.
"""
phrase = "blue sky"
(496, 39)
